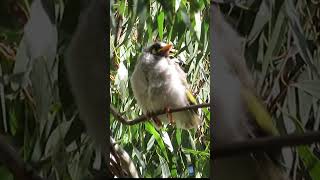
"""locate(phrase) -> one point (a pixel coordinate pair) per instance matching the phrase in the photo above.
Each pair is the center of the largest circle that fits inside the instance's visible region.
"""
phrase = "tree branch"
(142, 118)
(10, 158)
(222, 1)
(267, 144)
(123, 160)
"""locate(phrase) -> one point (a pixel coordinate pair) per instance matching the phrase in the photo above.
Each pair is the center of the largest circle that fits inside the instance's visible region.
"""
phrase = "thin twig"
(142, 118)
(267, 144)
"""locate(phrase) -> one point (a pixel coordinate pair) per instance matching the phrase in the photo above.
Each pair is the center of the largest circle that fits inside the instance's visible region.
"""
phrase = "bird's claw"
(155, 119)
(169, 115)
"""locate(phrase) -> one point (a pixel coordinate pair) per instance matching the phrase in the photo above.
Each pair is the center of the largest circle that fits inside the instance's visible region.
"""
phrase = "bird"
(158, 83)
(235, 118)
(83, 74)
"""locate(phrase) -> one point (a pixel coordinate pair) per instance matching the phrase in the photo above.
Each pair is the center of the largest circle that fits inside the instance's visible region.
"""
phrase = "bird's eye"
(153, 51)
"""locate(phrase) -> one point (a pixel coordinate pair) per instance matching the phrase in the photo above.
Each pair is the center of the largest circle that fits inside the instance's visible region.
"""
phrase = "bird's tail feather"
(183, 119)
(188, 120)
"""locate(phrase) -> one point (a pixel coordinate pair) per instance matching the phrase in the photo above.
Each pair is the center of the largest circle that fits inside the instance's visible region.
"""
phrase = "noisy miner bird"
(158, 83)
(238, 113)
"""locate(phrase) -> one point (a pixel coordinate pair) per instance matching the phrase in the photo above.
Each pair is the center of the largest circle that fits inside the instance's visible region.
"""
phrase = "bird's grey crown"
(155, 45)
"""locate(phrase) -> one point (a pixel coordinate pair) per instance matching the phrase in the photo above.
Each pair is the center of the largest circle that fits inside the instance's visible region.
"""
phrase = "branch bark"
(143, 118)
(121, 162)
(264, 144)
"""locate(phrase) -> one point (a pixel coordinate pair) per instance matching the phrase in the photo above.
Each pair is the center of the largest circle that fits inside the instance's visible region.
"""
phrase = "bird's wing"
(183, 77)
(139, 87)
(181, 73)
(262, 118)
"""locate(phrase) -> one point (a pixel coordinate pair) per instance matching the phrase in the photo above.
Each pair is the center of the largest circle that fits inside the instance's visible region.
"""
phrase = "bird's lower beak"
(166, 49)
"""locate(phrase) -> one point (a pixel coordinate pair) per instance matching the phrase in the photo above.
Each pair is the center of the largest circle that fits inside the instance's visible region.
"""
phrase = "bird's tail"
(188, 119)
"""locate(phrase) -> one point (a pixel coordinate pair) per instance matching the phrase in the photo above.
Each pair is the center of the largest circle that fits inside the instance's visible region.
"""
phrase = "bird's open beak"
(166, 49)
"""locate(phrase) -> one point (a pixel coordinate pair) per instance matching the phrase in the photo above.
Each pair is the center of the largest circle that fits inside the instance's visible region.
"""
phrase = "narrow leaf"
(160, 20)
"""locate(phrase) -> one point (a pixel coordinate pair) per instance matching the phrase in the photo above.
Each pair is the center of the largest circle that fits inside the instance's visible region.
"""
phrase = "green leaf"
(150, 143)
(185, 18)
(157, 136)
(310, 86)
(139, 156)
(160, 20)
(310, 161)
(260, 21)
(178, 136)
(3, 105)
(5, 174)
(122, 7)
(167, 141)
(177, 5)
(13, 121)
(196, 152)
(56, 138)
(164, 167)
(275, 41)
(197, 27)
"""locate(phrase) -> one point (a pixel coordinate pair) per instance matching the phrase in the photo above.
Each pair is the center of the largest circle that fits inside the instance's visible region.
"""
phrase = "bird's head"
(160, 49)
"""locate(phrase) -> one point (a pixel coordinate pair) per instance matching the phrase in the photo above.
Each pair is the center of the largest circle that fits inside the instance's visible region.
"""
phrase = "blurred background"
(39, 121)
(282, 51)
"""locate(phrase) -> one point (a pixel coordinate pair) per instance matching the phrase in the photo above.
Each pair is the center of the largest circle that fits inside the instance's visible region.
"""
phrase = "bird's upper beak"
(165, 50)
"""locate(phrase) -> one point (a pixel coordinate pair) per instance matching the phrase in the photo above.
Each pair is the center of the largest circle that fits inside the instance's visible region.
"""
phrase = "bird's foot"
(169, 115)
(156, 120)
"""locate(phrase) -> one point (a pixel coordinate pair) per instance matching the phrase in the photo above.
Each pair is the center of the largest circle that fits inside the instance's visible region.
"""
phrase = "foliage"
(169, 152)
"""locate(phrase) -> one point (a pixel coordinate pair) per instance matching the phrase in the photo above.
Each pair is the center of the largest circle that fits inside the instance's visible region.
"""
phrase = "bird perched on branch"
(238, 113)
(158, 83)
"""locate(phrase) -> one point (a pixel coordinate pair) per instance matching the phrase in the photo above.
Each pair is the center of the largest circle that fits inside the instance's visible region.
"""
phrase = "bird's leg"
(169, 115)
(155, 119)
